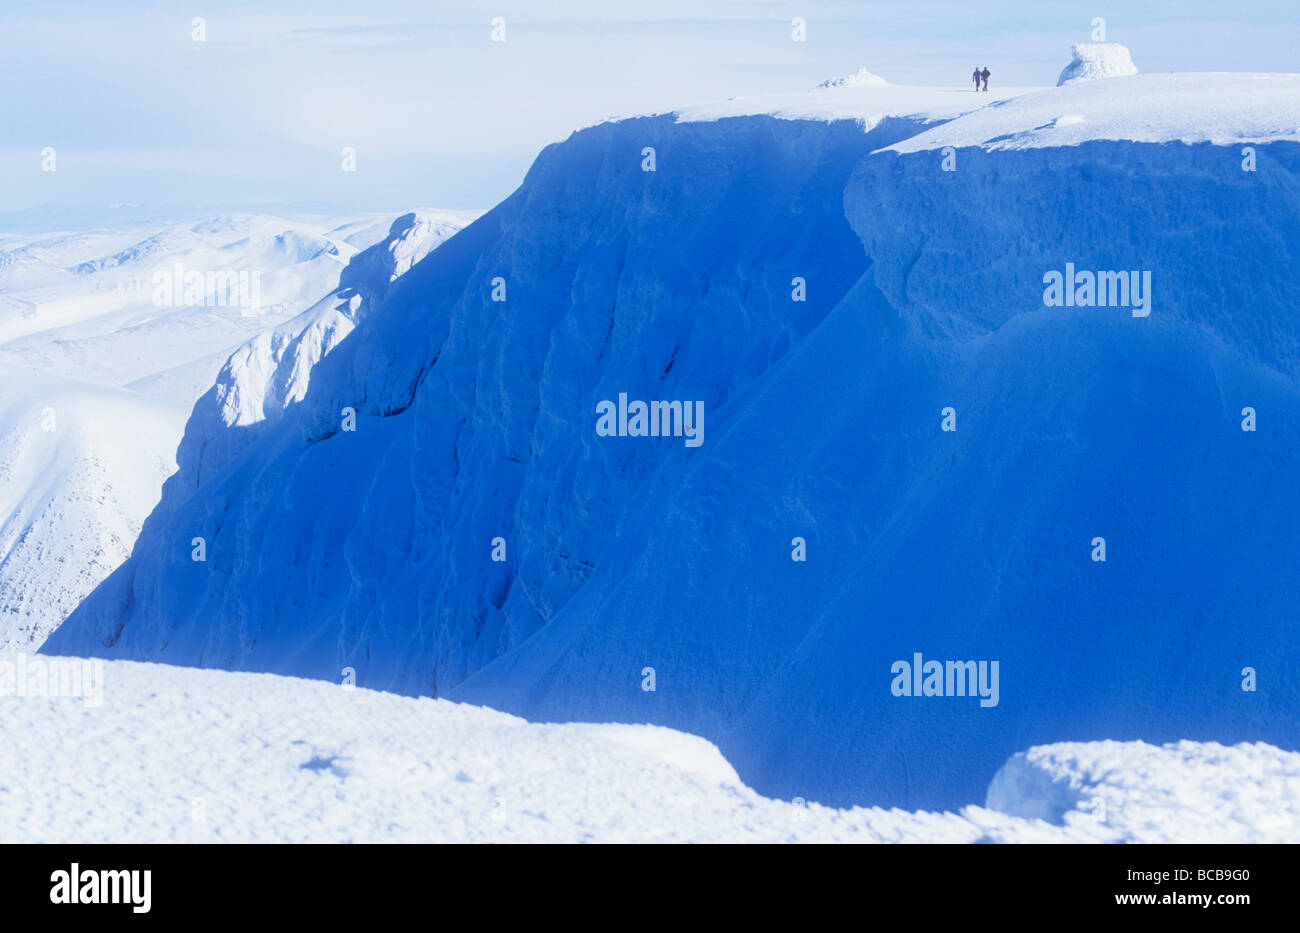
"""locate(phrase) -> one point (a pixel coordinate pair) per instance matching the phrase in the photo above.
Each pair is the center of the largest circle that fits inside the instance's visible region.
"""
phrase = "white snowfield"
(86, 305)
(1214, 107)
(1219, 108)
(868, 103)
(81, 465)
(183, 755)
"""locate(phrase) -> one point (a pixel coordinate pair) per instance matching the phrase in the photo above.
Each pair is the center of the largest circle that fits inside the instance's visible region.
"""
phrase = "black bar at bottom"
(332, 883)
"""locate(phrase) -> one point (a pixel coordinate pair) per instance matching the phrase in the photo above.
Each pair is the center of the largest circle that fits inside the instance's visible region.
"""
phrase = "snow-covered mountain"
(81, 465)
(97, 375)
(837, 280)
(159, 309)
(208, 756)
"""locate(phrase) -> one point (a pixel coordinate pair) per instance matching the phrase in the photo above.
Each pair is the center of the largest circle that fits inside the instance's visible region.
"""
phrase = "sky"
(440, 115)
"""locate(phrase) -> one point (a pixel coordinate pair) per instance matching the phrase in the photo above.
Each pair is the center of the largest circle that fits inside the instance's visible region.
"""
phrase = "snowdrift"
(925, 293)
(859, 78)
(208, 756)
(1092, 60)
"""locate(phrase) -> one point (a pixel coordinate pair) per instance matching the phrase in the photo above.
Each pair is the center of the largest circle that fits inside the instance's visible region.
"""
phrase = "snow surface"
(96, 381)
(1214, 793)
(1092, 60)
(180, 755)
(860, 78)
(869, 104)
(81, 465)
(1223, 109)
(371, 549)
(81, 305)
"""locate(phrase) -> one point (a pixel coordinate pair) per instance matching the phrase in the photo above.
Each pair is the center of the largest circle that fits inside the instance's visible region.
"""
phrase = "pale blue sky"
(441, 116)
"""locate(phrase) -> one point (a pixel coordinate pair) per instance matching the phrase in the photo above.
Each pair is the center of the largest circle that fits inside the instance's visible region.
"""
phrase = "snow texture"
(207, 756)
(81, 465)
(1091, 60)
(860, 78)
(1223, 109)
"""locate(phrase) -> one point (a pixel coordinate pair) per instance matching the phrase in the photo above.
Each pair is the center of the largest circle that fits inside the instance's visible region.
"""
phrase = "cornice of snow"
(1213, 107)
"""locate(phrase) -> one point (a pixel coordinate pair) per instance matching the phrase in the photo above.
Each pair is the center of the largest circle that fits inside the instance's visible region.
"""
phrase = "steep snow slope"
(1072, 424)
(84, 463)
(80, 468)
(668, 284)
(262, 378)
(206, 756)
(925, 287)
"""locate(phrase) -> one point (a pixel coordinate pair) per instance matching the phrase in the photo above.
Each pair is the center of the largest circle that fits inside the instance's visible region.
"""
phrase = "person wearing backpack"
(985, 75)
(975, 76)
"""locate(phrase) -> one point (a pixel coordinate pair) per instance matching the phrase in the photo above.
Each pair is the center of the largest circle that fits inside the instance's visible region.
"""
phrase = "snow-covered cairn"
(1097, 60)
(860, 78)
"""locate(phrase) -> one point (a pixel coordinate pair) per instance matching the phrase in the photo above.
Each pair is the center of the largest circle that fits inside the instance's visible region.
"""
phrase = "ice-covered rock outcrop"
(1097, 60)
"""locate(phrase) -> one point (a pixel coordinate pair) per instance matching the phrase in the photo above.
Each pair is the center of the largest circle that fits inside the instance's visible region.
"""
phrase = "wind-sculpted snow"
(649, 581)
(1224, 109)
(215, 757)
(1092, 60)
(1138, 792)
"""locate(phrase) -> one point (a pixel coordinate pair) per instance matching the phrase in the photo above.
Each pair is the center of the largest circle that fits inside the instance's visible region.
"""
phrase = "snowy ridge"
(868, 104)
(92, 313)
(80, 468)
(1222, 109)
(206, 756)
(271, 371)
(82, 462)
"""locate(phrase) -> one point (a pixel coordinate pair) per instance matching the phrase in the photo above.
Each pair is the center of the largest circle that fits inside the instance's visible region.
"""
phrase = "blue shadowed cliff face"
(476, 420)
